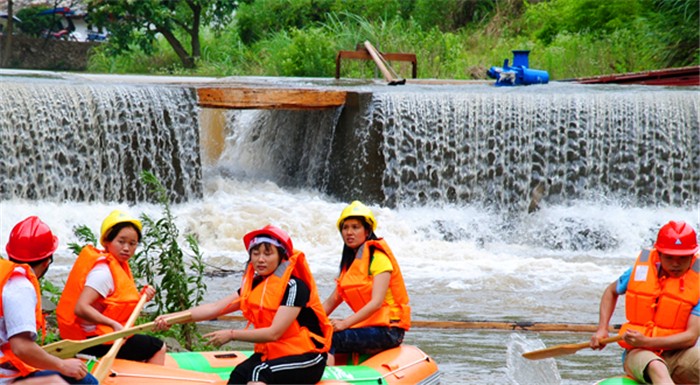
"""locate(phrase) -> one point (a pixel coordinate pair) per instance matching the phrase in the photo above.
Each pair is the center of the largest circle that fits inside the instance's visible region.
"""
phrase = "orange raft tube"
(405, 364)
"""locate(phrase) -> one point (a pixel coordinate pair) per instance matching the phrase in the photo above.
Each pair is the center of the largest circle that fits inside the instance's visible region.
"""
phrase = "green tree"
(134, 24)
(34, 24)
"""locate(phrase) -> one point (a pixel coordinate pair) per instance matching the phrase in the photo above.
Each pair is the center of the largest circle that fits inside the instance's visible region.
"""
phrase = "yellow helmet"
(114, 218)
(357, 209)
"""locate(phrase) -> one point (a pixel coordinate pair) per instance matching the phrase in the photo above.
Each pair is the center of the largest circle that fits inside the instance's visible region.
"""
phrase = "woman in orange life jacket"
(662, 308)
(30, 248)
(100, 293)
(370, 282)
(278, 296)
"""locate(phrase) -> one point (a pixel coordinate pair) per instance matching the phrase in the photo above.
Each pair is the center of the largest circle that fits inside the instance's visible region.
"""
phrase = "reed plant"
(161, 262)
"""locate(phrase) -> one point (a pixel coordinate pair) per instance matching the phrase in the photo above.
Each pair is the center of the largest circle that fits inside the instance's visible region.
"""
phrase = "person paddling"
(100, 293)
(370, 282)
(30, 249)
(278, 296)
(662, 308)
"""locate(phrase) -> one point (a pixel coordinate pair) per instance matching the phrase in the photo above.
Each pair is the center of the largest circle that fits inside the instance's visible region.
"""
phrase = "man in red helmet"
(662, 308)
(30, 250)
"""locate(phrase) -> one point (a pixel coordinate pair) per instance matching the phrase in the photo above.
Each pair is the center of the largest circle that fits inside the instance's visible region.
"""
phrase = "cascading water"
(289, 147)
(494, 146)
(73, 141)
(418, 145)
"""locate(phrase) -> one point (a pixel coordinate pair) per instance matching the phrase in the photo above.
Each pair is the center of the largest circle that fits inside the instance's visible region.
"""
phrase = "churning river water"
(453, 185)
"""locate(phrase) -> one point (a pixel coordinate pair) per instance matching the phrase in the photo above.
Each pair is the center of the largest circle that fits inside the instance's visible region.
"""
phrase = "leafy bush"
(310, 53)
(581, 16)
(450, 15)
(161, 262)
(261, 18)
(34, 24)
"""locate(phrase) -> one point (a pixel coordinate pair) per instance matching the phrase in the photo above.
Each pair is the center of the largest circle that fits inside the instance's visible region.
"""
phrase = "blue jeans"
(368, 340)
(89, 379)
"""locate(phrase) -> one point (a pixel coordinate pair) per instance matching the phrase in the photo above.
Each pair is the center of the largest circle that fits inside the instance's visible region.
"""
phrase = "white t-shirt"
(100, 279)
(18, 305)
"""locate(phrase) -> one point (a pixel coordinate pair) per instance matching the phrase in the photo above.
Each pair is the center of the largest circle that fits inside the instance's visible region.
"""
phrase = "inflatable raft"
(620, 380)
(405, 364)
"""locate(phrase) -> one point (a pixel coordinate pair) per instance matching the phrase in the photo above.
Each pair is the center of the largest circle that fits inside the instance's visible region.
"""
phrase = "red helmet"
(677, 238)
(31, 240)
(269, 231)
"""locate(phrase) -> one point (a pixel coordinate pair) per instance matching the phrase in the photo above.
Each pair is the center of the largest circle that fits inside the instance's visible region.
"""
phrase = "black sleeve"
(297, 293)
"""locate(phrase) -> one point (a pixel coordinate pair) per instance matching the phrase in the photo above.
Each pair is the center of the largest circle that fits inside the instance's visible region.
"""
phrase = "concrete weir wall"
(48, 54)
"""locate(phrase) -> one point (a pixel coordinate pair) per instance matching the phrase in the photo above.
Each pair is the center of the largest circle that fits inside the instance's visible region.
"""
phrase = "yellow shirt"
(380, 264)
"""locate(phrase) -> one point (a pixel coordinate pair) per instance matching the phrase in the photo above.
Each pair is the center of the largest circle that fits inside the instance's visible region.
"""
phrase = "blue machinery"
(519, 74)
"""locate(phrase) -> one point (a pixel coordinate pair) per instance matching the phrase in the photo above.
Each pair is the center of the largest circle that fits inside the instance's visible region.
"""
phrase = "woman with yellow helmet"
(100, 293)
(370, 282)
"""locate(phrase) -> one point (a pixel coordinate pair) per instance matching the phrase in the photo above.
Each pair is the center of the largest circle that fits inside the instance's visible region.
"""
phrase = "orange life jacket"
(7, 270)
(259, 305)
(118, 306)
(355, 287)
(659, 306)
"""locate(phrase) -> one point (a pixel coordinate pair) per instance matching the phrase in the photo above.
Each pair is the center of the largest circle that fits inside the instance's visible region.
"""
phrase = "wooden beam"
(270, 98)
(496, 325)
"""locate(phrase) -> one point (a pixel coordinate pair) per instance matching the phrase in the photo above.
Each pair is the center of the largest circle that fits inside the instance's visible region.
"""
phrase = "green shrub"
(34, 24)
(162, 263)
(310, 53)
(261, 18)
(548, 18)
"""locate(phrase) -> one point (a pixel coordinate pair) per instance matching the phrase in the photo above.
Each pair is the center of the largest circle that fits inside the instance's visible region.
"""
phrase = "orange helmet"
(268, 233)
(31, 240)
(677, 238)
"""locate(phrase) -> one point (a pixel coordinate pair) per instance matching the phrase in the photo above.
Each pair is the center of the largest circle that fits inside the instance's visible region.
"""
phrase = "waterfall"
(638, 144)
(396, 146)
(74, 141)
(290, 147)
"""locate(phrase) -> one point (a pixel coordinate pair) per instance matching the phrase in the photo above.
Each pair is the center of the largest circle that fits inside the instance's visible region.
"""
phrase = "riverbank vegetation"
(452, 39)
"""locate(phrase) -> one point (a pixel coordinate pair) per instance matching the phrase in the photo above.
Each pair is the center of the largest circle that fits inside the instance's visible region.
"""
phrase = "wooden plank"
(270, 98)
(494, 325)
(683, 76)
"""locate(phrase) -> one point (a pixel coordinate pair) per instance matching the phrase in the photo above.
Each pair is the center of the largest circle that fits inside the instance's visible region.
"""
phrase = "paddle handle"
(604, 341)
(562, 350)
(376, 56)
(105, 363)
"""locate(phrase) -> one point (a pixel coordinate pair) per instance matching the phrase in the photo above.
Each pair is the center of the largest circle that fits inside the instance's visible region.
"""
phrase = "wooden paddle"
(562, 350)
(105, 363)
(390, 77)
(69, 348)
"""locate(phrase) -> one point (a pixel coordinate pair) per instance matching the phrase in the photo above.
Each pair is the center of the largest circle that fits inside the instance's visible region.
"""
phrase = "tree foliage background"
(456, 39)
(137, 24)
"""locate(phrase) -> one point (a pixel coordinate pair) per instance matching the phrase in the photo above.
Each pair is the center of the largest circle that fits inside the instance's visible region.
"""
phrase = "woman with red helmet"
(278, 296)
(662, 308)
(30, 249)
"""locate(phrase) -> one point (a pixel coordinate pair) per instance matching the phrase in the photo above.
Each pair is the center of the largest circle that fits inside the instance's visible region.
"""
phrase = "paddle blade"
(562, 350)
(64, 348)
(69, 348)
